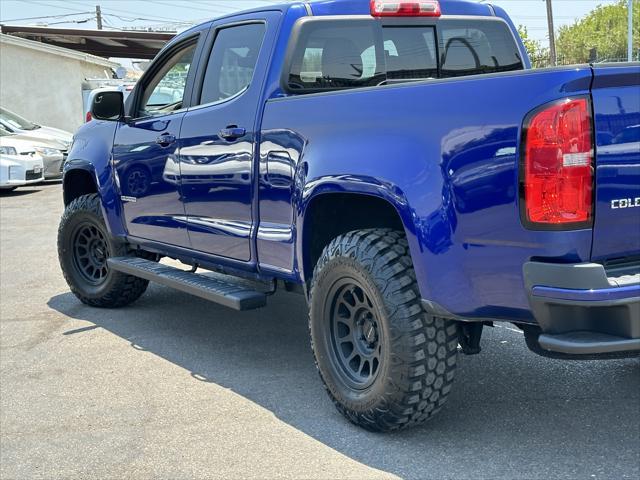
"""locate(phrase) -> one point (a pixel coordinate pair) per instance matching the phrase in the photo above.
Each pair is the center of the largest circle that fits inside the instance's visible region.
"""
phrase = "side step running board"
(221, 291)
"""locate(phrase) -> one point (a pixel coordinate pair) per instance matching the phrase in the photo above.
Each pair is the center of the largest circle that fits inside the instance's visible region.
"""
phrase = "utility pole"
(99, 17)
(630, 33)
(552, 36)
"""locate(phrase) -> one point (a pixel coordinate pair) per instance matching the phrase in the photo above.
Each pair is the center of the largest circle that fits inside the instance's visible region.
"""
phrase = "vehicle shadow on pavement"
(18, 192)
(511, 413)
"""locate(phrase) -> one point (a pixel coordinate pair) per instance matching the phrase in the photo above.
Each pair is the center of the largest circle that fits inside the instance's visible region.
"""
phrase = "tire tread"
(125, 289)
(420, 381)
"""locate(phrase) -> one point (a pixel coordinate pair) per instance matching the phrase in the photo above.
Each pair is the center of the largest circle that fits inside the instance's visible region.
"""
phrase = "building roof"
(63, 52)
(100, 43)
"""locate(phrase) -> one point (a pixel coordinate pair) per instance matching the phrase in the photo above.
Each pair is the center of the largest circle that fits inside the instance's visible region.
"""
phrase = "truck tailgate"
(616, 104)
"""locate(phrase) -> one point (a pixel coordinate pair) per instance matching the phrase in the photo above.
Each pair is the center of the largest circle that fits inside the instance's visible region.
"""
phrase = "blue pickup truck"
(398, 163)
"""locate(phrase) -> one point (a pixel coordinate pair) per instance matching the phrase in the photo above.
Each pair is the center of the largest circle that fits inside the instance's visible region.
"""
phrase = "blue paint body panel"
(616, 101)
(150, 173)
(443, 153)
(218, 174)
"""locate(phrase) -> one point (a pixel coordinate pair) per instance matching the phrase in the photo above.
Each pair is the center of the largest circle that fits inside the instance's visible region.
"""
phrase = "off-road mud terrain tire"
(82, 233)
(416, 352)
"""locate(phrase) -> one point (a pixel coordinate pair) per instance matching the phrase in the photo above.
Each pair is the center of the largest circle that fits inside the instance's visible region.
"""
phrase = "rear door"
(616, 103)
(219, 133)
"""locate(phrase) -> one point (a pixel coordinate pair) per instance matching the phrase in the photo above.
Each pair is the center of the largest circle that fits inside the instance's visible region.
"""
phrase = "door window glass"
(165, 92)
(232, 62)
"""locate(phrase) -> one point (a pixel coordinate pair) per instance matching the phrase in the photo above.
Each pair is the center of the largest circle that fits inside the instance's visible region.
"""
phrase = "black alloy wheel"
(354, 335)
(90, 253)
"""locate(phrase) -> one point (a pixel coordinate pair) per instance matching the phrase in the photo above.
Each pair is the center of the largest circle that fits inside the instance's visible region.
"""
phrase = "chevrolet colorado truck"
(398, 163)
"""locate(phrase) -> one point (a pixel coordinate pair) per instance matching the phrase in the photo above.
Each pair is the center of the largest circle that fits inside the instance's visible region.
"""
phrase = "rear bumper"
(583, 309)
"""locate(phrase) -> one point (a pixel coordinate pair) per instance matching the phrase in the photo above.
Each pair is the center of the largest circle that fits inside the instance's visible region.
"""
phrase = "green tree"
(538, 54)
(600, 36)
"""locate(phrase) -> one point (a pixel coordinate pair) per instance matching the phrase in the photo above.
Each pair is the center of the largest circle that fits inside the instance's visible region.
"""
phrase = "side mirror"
(108, 106)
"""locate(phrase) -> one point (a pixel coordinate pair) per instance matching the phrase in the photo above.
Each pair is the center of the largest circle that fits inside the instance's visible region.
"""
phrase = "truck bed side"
(445, 155)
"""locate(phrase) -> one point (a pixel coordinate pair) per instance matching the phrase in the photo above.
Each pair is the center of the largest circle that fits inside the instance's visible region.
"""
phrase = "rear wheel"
(384, 362)
(84, 246)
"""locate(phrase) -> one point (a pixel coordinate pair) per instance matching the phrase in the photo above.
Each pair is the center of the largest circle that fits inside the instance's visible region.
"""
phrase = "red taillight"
(405, 8)
(88, 117)
(558, 166)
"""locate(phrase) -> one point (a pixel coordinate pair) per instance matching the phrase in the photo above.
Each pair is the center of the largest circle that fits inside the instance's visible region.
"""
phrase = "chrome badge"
(625, 203)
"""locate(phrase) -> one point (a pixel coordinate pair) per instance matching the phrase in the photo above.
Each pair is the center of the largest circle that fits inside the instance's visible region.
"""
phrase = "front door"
(145, 150)
(217, 142)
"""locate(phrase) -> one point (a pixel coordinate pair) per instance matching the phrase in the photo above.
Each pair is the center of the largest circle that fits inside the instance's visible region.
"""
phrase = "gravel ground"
(175, 387)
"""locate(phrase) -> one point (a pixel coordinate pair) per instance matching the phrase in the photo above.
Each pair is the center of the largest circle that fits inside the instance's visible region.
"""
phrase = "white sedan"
(20, 170)
(52, 152)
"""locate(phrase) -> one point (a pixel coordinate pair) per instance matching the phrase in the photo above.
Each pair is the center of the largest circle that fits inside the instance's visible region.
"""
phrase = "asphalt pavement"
(175, 387)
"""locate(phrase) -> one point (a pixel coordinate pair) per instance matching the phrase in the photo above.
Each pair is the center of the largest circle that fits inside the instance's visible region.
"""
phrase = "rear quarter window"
(333, 55)
(471, 47)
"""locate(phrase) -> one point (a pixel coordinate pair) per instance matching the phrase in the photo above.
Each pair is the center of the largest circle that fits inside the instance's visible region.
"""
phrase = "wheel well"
(76, 184)
(333, 214)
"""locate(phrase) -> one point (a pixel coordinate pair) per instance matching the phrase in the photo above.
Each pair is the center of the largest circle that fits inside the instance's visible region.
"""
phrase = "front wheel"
(84, 246)
(384, 362)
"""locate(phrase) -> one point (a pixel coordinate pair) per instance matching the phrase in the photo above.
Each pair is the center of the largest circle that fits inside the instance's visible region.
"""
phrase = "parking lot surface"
(175, 387)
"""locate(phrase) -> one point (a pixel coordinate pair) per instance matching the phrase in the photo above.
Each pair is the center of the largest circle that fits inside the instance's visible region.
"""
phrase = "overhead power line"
(191, 7)
(144, 19)
(75, 10)
(153, 18)
(86, 20)
(63, 15)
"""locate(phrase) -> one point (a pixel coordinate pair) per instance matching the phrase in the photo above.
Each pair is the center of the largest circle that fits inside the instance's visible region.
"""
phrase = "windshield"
(3, 132)
(16, 121)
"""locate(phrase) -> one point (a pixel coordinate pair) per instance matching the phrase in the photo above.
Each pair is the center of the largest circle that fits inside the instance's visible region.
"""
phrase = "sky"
(176, 14)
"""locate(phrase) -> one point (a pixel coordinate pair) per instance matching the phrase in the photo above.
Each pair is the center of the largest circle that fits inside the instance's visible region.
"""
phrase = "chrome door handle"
(165, 140)
(232, 132)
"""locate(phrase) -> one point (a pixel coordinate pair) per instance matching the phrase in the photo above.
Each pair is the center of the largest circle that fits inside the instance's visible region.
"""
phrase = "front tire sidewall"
(78, 284)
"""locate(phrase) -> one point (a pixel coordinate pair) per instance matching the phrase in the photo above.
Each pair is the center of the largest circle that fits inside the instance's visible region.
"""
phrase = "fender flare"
(107, 189)
(351, 184)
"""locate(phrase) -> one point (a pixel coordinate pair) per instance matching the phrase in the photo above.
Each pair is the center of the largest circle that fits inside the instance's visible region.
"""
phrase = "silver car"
(14, 123)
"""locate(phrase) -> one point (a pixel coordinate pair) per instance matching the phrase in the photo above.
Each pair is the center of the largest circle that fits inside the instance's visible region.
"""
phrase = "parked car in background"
(14, 123)
(19, 170)
(53, 152)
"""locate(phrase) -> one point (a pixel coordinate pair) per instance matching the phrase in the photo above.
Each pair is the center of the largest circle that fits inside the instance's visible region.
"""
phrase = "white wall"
(44, 86)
